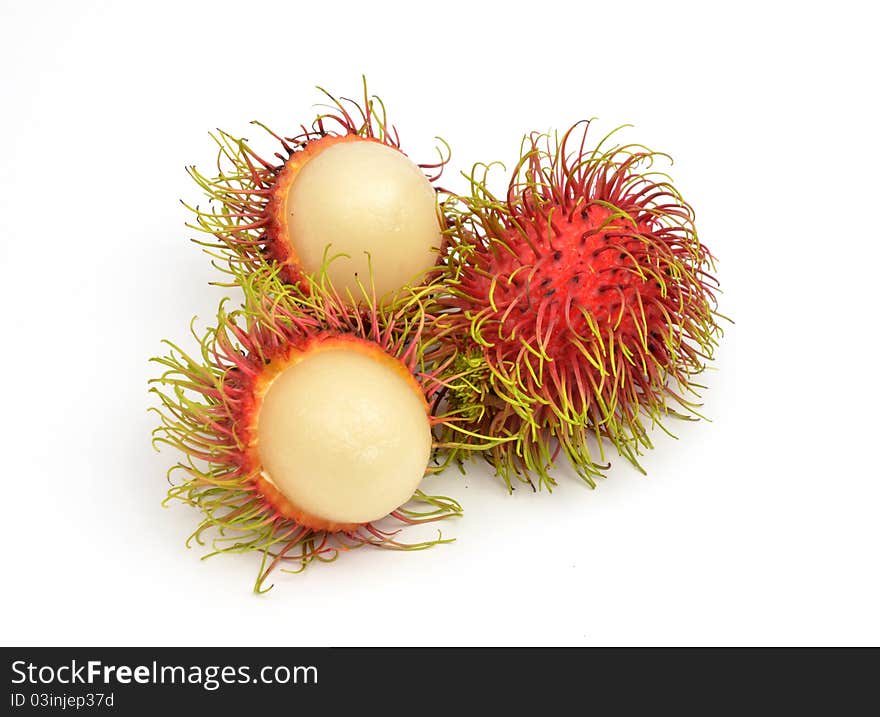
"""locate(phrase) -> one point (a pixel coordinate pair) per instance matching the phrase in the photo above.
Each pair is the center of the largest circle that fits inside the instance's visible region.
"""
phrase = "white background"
(760, 527)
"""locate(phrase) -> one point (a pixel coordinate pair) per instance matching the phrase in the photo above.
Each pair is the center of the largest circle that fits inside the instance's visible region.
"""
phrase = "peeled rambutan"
(580, 306)
(344, 187)
(305, 420)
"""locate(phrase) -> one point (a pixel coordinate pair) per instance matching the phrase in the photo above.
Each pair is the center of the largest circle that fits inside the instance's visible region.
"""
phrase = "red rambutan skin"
(589, 263)
(585, 291)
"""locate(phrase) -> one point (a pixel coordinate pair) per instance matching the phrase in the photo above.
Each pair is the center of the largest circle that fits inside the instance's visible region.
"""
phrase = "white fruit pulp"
(364, 197)
(345, 437)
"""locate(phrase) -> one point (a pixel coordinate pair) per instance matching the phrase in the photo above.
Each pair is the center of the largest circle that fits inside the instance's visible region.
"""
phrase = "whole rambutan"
(580, 306)
(344, 185)
(306, 422)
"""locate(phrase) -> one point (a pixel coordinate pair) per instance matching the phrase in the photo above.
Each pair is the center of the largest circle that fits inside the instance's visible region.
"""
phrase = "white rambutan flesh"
(343, 433)
(360, 198)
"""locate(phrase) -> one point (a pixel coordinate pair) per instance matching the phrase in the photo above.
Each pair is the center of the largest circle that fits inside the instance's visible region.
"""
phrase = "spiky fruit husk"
(247, 197)
(581, 306)
(209, 406)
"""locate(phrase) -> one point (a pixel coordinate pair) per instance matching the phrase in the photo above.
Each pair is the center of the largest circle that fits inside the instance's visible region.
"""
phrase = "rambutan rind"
(581, 306)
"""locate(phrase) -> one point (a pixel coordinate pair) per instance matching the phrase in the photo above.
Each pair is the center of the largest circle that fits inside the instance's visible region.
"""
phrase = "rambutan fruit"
(345, 184)
(306, 422)
(580, 307)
